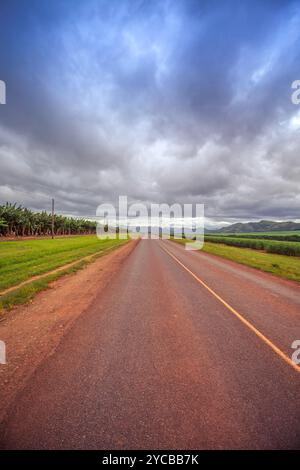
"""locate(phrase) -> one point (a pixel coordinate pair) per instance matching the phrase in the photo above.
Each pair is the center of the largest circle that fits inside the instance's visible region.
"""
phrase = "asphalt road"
(183, 350)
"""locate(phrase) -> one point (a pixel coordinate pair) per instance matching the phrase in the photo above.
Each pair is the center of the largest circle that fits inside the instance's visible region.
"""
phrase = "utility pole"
(52, 224)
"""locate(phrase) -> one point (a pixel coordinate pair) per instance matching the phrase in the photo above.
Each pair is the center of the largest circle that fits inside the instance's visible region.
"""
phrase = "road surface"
(183, 350)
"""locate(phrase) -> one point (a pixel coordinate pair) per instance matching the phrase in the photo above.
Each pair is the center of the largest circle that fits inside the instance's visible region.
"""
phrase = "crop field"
(288, 248)
(281, 233)
(21, 260)
(281, 236)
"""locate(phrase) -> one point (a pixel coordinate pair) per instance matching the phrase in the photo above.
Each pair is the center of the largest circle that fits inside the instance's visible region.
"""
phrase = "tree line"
(16, 221)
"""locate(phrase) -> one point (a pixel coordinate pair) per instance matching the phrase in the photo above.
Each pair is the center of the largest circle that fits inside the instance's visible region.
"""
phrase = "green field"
(282, 247)
(292, 235)
(21, 260)
(287, 267)
(279, 233)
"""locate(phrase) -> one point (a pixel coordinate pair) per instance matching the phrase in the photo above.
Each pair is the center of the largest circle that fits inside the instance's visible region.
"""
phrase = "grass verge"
(22, 260)
(286, 267)
(26, 293)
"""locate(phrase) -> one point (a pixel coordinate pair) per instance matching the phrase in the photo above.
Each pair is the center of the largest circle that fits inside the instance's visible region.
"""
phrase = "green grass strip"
(286, 267)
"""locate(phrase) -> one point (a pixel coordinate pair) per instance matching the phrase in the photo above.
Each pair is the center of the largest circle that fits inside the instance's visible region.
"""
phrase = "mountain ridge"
(261, 226)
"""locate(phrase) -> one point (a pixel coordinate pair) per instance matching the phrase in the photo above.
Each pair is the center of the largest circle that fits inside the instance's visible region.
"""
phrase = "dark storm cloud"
(164, 101)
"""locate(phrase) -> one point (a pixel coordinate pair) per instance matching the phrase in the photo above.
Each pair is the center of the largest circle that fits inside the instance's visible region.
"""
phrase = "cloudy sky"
(161, 100)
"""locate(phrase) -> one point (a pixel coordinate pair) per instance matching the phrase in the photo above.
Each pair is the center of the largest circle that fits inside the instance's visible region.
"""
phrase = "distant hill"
(262, 226)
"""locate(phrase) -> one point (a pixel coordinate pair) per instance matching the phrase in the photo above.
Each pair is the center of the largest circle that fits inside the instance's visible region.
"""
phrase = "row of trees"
(18, 221)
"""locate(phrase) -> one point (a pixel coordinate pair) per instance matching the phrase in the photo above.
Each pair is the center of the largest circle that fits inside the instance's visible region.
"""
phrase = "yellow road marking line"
(238, 315)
